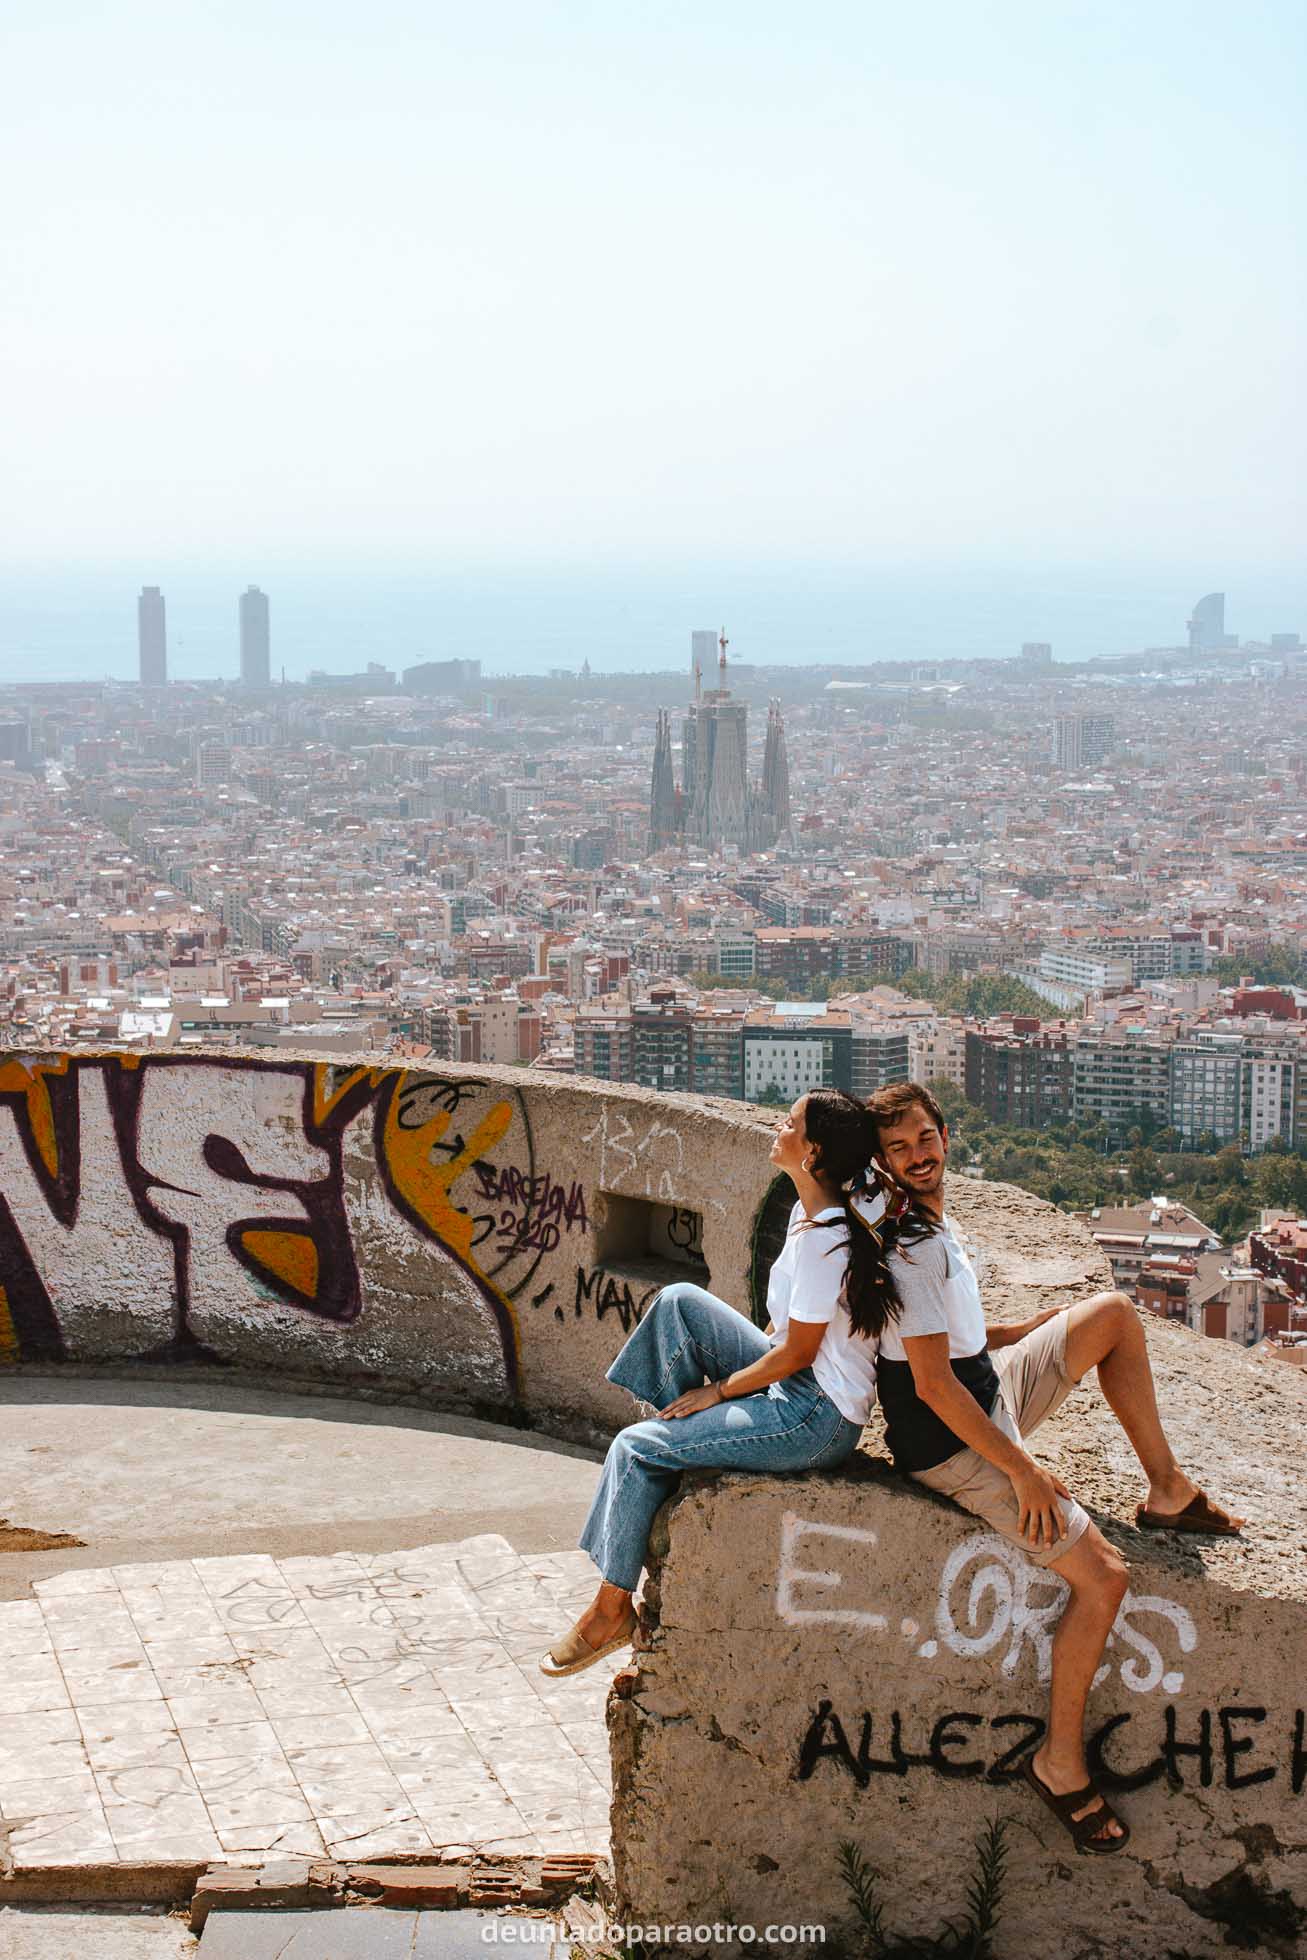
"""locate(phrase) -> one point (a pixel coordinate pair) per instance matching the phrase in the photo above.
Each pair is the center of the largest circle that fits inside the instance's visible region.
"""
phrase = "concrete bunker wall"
(484, 1236)
(845, 1657)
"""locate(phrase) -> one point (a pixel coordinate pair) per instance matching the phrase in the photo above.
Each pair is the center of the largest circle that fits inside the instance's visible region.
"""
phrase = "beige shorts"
(1033, 1381)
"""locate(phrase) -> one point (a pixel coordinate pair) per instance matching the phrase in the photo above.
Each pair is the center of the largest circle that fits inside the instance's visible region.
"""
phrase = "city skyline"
(73, 631)
(1074, 898)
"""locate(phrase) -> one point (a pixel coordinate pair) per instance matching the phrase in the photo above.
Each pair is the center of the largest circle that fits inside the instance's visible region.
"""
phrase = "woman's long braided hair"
(844, 1132)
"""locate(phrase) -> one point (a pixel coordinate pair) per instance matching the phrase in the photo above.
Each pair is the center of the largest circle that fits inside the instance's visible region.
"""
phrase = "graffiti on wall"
(1227, 1748)
(531, 1213)
(254, 1181)
(641, 1153)
(990, 1601)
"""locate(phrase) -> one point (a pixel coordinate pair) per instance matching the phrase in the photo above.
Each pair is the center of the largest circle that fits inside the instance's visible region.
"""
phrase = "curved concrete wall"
(486, 1236)
(845, 1657)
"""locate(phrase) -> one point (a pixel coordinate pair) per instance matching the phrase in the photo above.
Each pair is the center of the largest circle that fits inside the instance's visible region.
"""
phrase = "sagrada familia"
(716, 804)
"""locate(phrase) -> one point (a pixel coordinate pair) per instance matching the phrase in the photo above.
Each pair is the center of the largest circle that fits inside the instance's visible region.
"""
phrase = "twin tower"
(152, 638)
(715, 804)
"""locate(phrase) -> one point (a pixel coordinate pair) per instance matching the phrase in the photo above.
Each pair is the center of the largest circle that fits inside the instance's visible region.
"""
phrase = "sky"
(439, 288)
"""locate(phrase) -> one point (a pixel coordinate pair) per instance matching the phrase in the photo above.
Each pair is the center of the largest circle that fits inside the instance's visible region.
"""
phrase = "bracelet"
(722, 1396)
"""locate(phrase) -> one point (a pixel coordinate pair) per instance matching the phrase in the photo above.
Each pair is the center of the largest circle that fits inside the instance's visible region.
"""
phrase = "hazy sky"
(424, 284)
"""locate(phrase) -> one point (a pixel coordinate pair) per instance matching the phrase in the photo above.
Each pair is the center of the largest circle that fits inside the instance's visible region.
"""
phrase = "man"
(956, 1419)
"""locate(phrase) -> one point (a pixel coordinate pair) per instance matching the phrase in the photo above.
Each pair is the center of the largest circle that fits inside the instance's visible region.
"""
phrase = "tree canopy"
(1070, 1164)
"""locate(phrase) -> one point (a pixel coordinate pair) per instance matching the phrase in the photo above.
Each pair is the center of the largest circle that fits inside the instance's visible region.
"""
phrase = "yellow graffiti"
(27, 1079)
(9, 1349)
(425, 1186)
(326, 1098)
(291, 1257)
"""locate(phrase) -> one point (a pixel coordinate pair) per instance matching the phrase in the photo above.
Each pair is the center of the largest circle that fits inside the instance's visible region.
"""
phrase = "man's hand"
(693, 1400)
(1039, 1518)
(1006, 1333)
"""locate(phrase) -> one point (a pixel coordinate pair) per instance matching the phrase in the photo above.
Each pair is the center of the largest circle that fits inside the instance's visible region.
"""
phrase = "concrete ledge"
(849, 1658)
(161, 1884)
(285, 1883)
(480, 1238)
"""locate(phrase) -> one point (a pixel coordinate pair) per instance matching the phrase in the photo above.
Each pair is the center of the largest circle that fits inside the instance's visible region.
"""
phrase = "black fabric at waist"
(917, 1438)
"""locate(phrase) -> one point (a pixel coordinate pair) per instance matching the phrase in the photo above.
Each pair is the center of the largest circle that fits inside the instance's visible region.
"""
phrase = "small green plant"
(860, 1884)
(967, 1939)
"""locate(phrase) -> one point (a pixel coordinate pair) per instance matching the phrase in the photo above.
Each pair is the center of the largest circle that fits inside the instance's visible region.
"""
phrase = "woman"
(732, 1397)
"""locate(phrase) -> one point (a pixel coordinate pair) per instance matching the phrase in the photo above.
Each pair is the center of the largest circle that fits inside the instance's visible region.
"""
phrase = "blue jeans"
(685, 1337)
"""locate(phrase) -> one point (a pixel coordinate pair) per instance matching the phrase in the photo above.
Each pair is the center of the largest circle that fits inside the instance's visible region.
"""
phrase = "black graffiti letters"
(826, 1737)
(534, 1211)
(1173, 1750)
(1235, 1746)
(1231, 1748)
(1031, 1734)
(944, 1736)
(608, 1293)
(1110, 1773)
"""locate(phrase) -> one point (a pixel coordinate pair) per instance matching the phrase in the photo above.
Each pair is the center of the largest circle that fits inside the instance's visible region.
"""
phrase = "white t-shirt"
(937, 1285)
(805, 1284)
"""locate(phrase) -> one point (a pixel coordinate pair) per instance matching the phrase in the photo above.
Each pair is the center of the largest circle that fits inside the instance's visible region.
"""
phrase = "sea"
(77, 624)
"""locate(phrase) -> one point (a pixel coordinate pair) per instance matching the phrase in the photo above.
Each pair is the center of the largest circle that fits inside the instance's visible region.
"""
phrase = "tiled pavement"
(355, 1705)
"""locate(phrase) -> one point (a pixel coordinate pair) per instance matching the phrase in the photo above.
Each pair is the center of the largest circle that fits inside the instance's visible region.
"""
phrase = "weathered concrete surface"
(846, 1657)
(175, 1468)
(45, 1933)
(487, 1236)
(358, 1707)
(484, 1235)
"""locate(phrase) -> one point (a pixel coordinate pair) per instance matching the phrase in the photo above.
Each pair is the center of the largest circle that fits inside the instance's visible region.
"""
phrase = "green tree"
(1279, 1181)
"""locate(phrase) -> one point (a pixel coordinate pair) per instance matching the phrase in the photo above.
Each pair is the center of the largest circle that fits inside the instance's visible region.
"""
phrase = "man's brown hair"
(892, 1103)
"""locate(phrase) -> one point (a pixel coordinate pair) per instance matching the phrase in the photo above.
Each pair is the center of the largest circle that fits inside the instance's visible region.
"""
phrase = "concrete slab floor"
(55, 1933)
(357, 1706)
(167, 1469)
(363, 1934)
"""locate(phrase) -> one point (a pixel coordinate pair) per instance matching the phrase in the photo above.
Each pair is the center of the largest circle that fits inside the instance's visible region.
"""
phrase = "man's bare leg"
(1106, 1333)
(1096, 1574)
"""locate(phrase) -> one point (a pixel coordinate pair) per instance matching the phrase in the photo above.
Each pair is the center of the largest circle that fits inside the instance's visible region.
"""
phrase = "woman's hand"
(693, 1400)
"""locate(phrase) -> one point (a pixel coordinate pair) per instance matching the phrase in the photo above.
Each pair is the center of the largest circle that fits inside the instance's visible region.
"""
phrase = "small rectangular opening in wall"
(643, 1228)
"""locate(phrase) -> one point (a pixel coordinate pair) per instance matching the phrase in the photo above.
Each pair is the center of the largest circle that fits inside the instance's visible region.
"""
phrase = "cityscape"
(653, 982)
(1073, 896)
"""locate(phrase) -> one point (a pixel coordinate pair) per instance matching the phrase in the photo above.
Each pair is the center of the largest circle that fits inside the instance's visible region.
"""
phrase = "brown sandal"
(1085, 1831)
(574, 1652)
(1199, 1516)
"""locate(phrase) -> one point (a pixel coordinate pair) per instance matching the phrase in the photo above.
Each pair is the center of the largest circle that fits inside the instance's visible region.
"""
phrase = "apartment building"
(791, 1047)
(1119, 1074)
(1071, 966)
(1020, 1073)
(937, 1052)
(879, 1054)
(664, 1041)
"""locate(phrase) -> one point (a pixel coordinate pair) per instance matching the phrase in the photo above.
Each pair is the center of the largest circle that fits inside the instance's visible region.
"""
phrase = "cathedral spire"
(663, 813)
(776, 772)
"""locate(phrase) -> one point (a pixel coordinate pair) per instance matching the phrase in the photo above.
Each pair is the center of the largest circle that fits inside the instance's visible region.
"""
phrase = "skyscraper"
(152, 637)
(256, 655)
(1082, 741)
(1207, 632)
